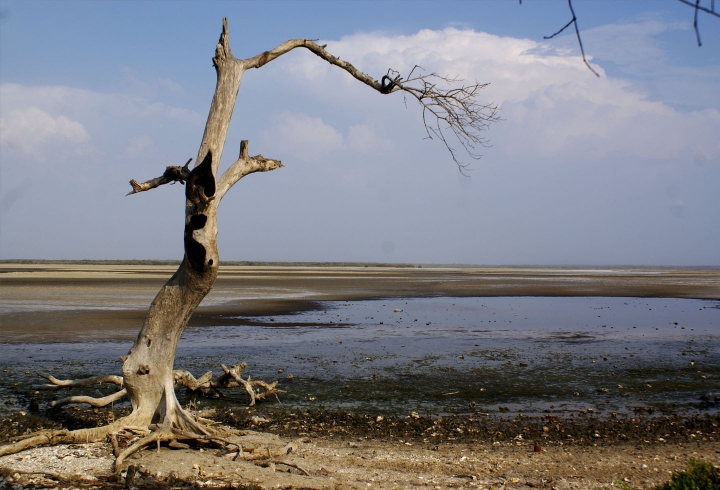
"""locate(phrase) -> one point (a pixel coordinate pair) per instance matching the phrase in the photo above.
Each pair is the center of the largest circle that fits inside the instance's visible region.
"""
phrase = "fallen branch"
(248, 384)
(245, 384)
(203, 384)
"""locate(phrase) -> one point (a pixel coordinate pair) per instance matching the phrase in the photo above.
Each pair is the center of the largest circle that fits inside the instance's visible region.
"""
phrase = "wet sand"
(68, 302)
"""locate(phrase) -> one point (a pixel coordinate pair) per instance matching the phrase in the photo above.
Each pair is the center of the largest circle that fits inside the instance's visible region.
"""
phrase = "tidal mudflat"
(466, 367)
(429, 344)
(528, 355)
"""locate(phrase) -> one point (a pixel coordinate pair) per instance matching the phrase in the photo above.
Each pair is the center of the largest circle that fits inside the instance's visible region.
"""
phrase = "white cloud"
(363, 139)
(149, 89)
(77, 103)
(301, 136)
(30, 127)
(52, 123)
(632, 43)
(577, 171)
(140, 145)
(550, 103)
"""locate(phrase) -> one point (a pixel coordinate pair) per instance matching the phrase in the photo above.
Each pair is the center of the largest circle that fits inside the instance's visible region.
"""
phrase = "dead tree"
(449, 108)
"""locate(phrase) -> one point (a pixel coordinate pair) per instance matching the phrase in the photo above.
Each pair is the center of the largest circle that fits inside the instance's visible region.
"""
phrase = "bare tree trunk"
(148, 368)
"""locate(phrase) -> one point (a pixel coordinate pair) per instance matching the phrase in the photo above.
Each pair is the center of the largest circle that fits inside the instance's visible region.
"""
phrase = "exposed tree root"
(56, 384)
(51, 437)
(204, 385)
(174, 424)
(95, 402)
(164, 434)
(114, 444)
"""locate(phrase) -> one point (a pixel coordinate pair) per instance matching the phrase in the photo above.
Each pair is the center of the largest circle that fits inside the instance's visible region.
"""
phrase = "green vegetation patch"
(700, 475)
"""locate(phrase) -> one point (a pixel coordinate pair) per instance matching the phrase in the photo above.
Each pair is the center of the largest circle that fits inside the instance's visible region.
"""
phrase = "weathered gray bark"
(148, 368)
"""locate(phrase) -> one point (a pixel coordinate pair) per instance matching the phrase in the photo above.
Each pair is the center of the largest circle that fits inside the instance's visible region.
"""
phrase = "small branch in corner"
(699, 8)
(577, 32)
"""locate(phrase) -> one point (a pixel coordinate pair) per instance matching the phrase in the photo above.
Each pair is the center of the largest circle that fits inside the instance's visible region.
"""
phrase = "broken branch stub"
(171, 175)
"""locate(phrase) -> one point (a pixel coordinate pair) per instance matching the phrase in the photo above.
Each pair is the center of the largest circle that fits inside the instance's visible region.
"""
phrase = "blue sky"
(624, 169)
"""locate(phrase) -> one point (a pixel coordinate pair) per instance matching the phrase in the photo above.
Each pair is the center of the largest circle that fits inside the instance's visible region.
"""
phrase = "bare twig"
(695, 24)
(577, 32)
(455, 108)
(697, 7)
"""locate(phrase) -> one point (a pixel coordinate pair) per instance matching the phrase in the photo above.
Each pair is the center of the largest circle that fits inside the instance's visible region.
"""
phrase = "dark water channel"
(442, 355)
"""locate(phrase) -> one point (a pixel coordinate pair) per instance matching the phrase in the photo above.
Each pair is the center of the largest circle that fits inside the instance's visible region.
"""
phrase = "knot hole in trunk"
(143, 369)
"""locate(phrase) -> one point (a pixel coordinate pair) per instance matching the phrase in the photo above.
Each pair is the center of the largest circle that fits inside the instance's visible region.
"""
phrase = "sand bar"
(66, 302)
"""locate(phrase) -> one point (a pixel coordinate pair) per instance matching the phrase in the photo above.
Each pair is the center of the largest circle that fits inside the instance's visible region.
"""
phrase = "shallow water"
(505, 354)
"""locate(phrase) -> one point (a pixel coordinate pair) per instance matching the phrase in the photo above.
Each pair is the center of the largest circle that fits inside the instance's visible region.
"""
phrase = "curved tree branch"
(287, 46)
(447, 103)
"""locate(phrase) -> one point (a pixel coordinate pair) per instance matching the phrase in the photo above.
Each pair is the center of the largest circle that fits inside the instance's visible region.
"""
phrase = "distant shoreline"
(58, 301)
(260, 263)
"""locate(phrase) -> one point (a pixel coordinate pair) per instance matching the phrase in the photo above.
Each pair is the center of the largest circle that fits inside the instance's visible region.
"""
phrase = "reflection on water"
(515, 354)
